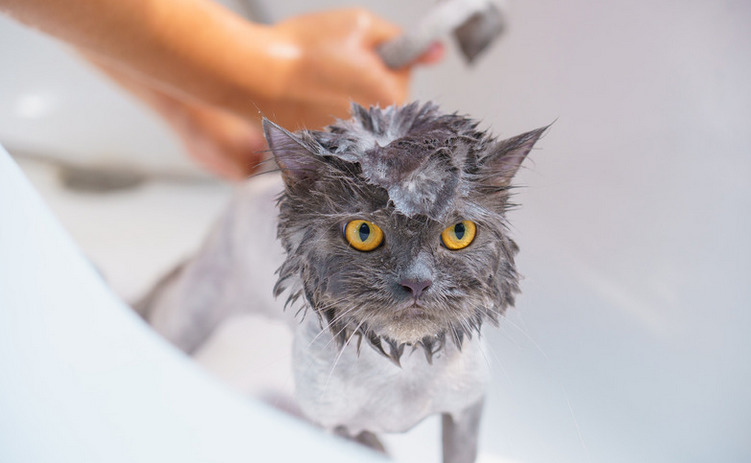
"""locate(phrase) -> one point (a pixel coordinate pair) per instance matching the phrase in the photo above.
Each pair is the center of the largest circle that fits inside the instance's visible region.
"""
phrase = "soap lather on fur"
(394, 231)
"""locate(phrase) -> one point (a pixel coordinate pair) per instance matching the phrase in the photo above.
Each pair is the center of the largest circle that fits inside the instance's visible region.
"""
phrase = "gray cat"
(394, 232)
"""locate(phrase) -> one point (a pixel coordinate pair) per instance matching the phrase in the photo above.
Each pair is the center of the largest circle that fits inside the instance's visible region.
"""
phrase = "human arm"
(300, 72)
(223, 143)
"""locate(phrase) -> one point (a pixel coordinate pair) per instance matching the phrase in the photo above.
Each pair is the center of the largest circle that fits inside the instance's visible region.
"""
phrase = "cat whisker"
(537, 346)
(496, 360)
(334, 336)
(264, 172)
(332, 323)
(341, 352)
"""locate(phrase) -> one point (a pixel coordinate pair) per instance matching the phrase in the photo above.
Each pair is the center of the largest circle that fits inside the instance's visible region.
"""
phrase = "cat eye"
(459, 235)
(363, 235)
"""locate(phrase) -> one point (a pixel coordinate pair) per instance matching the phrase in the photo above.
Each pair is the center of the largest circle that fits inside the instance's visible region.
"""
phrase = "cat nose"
(415, 286)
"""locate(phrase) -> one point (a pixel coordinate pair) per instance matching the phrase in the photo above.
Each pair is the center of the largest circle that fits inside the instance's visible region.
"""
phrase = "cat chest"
(368, 392)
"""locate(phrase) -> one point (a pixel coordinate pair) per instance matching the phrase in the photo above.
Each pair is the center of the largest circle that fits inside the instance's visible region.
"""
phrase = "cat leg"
(370, 440)
(366, 438)
(460, 432)
(232, 273)
(189, 303)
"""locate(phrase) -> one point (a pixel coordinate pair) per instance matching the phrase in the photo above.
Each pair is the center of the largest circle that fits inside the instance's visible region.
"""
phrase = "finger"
(375, 29)
(433, 55)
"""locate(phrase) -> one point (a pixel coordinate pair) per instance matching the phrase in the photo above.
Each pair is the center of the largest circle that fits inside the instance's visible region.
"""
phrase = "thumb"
(433, 55)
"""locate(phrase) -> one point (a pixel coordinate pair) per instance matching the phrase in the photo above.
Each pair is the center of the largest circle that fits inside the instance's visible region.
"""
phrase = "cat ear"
(503, 160)
(294, 158)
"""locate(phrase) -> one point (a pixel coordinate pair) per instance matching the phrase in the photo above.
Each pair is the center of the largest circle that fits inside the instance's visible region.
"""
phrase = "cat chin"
(409, 331)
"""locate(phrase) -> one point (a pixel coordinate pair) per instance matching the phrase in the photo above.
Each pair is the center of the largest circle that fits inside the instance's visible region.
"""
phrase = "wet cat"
(394, 233)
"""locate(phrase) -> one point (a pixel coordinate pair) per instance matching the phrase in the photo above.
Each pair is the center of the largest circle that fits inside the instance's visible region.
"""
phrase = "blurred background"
(631, 340)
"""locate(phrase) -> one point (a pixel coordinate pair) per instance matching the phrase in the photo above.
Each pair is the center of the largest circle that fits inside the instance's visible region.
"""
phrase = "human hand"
(332, 61)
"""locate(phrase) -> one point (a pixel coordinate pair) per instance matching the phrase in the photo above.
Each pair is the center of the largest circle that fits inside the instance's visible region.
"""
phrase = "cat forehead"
(419, 164)
(419, 180)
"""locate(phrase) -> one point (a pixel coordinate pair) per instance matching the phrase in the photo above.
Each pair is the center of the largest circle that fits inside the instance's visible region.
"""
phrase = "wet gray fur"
(412, 171)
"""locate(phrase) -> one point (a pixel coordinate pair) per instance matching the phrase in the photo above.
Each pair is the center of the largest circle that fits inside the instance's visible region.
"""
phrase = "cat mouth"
(413, 310)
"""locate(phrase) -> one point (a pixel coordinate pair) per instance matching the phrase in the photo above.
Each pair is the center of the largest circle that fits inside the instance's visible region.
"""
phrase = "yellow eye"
(363, 235)
(459, 235)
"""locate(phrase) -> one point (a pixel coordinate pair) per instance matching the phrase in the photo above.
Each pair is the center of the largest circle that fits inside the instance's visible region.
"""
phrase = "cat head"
(394, 225)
